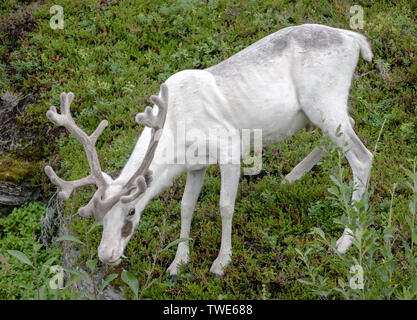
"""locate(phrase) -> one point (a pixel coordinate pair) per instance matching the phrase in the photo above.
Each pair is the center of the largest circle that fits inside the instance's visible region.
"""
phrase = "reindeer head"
(113, 203)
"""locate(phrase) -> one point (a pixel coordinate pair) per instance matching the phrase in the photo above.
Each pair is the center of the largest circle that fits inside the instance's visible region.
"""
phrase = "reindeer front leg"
(230, 174)
(192, 190)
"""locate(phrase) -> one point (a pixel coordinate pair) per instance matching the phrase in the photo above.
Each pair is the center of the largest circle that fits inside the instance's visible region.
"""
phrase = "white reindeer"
(280, 84)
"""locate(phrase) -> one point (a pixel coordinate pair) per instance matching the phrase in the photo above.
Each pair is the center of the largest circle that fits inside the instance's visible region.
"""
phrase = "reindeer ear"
(140, 187)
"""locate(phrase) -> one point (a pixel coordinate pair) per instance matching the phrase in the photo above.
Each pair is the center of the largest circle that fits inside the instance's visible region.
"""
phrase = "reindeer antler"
(139, 181)
(143, 176)
(147, 117)
(96, 177)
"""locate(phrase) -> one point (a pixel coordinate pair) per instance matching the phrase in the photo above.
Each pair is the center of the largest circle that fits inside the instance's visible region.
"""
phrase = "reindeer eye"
(131, 212)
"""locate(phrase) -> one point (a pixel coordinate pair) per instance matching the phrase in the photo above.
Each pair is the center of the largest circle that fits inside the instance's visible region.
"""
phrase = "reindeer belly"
(263, 98)
(276, 130)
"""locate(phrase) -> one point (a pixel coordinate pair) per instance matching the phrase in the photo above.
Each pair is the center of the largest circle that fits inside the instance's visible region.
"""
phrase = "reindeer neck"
(163, 171)
(164, 168)
(163, 178)
(137, 155)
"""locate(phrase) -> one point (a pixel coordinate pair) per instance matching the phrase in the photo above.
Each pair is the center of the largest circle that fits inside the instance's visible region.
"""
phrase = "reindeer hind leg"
(308, 162)
(334, 120)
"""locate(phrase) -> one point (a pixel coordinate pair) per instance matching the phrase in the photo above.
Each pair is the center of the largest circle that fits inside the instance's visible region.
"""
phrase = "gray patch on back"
(308, 37)
(259, 52)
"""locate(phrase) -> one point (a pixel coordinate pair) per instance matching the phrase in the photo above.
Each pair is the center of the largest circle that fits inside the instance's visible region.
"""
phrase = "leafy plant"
(376, 265)
(25, 261)
(133, 282)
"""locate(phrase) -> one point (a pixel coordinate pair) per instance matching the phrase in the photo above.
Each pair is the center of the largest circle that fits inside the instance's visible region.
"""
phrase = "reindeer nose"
(107, 255)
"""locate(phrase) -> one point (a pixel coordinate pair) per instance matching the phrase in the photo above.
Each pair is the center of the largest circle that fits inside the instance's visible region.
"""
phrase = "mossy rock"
(15, 185)
(13, 170)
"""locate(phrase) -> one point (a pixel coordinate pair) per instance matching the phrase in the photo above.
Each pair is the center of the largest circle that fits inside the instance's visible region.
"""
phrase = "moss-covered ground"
(114, 54)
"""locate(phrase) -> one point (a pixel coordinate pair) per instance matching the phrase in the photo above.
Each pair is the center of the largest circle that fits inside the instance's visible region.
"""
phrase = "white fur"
(279, 84)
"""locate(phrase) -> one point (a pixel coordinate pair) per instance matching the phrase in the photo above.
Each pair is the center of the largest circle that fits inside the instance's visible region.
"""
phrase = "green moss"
(15, 170)
(113, 68)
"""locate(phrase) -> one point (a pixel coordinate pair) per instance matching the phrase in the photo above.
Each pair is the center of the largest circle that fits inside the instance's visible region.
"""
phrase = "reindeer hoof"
(174, 278)
(216, 276)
